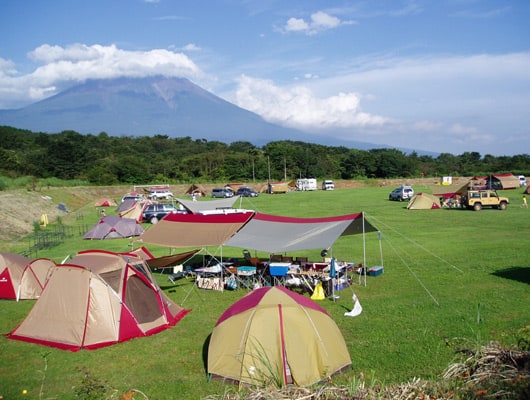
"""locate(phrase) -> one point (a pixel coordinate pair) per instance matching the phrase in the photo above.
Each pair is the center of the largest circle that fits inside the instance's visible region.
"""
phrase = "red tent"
(98, 299)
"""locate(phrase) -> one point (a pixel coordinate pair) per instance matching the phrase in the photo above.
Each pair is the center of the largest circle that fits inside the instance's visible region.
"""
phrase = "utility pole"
(269, 167)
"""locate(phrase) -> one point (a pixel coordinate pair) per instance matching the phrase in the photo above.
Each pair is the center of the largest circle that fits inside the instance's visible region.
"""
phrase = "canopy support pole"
(380, 248)
(363, 270)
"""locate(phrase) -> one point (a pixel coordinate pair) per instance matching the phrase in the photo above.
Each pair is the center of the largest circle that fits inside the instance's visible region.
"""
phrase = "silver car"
(222, 193)
(401, 193)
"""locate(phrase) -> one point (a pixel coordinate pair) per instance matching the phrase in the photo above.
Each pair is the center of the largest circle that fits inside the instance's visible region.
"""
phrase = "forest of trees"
(106, 160)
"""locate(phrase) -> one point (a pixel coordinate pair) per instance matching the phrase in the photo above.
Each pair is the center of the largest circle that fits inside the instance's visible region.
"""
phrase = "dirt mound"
(21, 209)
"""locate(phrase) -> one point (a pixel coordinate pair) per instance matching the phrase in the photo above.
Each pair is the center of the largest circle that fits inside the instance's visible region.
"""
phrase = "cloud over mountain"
(154, 105)
(60, 67)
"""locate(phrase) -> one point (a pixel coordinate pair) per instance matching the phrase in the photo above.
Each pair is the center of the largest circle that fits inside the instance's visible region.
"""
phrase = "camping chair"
(263, 277)
(253, 261)
(246, 255)
(275, 257)
(178, 273)
(288, 259)
(302, 262)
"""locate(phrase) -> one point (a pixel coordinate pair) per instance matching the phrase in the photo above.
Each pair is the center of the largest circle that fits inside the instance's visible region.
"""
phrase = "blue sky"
(436, 75)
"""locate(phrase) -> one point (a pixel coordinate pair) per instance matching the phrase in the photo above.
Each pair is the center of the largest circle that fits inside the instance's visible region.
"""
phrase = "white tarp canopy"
(277, 234)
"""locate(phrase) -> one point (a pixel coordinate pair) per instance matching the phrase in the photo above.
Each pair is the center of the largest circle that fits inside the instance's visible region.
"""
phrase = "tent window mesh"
(142, 301)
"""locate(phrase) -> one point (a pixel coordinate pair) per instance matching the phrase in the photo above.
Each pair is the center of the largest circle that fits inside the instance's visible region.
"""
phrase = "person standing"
(525, 203)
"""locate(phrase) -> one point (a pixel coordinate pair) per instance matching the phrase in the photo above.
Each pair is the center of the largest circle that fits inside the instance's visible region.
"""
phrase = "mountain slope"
(157, 105)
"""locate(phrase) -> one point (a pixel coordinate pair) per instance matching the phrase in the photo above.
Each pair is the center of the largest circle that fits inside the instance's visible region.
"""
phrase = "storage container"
(279, 269)
(375, 271)
(246, 271)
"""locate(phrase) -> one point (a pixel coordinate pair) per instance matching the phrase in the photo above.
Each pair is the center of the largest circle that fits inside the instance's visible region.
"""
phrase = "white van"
(306, 184)
(328, 185)
(522, 180)
(160, 194)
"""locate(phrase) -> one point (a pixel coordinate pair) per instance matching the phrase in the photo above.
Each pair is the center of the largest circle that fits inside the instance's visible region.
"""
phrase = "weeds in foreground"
(269, 375)
(91, 387)
(491, 372)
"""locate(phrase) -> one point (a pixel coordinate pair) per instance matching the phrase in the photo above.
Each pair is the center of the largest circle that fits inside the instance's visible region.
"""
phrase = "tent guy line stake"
(414, 275)
(419, 245)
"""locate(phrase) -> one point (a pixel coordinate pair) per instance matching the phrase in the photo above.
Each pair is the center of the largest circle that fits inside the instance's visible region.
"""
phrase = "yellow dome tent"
(276, 336)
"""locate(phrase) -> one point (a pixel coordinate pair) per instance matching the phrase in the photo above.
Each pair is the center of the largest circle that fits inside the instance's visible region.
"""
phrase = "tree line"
(106, 160)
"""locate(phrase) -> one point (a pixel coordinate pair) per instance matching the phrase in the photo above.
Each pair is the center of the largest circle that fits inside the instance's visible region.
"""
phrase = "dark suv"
(155, 212)
(245, 191)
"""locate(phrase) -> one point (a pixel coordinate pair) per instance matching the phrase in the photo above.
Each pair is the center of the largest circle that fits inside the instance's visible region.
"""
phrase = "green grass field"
(450, 276)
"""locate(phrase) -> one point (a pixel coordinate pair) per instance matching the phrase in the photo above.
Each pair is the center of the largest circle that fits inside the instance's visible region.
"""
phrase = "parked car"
(401, 193)
(245, 191)
(155, 212)
(135, 197)
(160, 194)
(222, 193)
(478, 199)
(328, 185)
(522, 180)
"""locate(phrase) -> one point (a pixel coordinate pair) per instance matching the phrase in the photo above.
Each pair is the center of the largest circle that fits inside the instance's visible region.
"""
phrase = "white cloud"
(319, 21)
(324, 21)
(78, 62)
(298, 107)
(191, 47)
(296, 24)
(7, 68)
(438, 103)
(47, 54)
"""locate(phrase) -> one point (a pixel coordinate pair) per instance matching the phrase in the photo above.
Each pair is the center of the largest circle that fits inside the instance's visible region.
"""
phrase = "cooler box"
(375, 271)
(246, 271)
(279, 269)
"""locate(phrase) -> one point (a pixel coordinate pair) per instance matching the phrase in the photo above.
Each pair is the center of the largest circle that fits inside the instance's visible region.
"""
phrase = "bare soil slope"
(22, 208)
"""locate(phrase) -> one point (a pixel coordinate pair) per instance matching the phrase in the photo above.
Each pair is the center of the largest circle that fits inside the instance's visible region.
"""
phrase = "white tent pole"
(380, 248)
(364, 252)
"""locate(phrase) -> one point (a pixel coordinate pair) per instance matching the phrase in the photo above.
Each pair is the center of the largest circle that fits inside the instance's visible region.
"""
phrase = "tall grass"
(449, 276)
